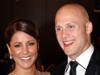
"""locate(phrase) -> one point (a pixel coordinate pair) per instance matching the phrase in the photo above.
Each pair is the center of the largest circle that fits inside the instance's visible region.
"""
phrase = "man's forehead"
(73, 9)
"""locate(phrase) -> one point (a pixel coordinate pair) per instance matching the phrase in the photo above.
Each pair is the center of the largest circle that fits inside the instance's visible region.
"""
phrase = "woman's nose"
(25, 50)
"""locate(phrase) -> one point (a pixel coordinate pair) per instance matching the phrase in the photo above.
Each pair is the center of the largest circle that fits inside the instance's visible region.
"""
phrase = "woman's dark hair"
(23, 25)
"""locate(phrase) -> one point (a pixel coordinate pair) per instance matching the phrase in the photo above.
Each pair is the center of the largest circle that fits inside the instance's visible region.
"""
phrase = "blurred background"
(42, 12)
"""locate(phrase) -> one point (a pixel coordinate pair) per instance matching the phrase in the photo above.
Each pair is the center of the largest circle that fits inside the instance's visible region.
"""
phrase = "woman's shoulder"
(9, 74)
(40, 73)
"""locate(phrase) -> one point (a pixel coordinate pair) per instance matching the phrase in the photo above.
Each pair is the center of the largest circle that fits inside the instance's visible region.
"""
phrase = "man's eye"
(71, 26)
(58, 29)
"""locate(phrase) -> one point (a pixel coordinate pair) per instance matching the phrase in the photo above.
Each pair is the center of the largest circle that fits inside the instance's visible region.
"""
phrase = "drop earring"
(10, 57)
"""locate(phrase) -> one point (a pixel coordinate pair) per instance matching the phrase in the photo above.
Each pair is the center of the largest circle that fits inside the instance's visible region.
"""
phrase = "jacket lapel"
(62, 68)
(59, 70)
(94, 65)
(92, 70)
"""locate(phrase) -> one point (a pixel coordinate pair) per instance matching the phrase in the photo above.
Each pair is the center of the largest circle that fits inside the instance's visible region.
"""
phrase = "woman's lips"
(25, 58)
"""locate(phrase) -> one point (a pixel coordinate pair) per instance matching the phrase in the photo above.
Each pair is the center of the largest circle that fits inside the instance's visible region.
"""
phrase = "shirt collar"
(84, 58)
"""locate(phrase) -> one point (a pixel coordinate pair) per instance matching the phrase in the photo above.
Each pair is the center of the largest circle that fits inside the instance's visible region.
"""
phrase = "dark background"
(42, 12)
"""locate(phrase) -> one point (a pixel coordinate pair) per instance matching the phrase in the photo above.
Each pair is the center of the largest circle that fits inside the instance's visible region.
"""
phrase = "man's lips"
(68, 43)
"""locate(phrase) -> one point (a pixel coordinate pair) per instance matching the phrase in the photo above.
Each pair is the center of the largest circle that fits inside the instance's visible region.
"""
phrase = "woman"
(22, 40)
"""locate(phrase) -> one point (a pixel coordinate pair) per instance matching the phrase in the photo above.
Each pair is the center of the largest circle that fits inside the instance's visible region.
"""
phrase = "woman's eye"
(31, 44)
(16, 46)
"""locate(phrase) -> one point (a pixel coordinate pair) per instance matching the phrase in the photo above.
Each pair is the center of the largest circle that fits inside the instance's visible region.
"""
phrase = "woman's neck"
(22, 71)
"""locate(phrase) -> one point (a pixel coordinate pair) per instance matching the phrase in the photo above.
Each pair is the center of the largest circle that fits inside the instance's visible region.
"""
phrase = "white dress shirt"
(83, 61)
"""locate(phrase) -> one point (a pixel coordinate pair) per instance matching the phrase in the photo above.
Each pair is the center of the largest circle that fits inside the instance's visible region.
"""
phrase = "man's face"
(72, 31)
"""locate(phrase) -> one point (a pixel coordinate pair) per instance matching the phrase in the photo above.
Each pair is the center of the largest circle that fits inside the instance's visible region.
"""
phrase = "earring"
(10, 57)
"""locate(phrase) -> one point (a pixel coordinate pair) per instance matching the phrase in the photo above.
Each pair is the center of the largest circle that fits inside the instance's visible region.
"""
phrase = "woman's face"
(24, 49)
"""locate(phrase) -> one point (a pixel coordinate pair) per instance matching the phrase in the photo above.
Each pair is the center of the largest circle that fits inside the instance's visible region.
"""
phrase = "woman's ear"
(8, 49)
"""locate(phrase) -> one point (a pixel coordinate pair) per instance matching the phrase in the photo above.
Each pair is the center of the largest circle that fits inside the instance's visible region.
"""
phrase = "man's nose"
(65, 33)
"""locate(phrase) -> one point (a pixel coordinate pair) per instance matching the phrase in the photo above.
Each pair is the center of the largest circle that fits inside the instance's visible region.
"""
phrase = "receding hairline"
(75, 6)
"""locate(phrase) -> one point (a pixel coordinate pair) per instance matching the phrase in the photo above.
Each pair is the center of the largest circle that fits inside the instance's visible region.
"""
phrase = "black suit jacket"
(92, 69)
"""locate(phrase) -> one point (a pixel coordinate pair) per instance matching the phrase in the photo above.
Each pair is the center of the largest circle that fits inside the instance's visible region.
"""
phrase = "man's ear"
(89, 27)
(8, 49)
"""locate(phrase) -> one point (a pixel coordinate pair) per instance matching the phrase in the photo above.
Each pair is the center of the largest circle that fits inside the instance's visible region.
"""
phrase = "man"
(73, 30)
